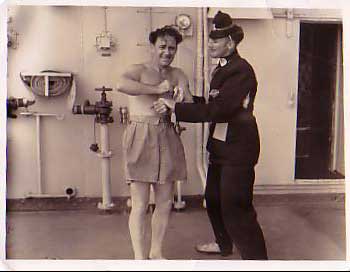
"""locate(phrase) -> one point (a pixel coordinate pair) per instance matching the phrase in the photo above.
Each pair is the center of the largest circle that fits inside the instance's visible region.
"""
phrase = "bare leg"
(163, 199)
(139, 204)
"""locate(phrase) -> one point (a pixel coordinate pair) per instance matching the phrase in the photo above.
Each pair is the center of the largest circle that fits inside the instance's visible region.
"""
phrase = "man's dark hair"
(165, 31)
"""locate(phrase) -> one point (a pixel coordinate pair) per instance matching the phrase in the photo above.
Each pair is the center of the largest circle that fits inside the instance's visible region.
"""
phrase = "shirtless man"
(153, 152)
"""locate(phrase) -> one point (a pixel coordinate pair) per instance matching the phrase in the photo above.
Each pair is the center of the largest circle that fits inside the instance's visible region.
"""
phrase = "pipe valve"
(15, 103)
(101, 109)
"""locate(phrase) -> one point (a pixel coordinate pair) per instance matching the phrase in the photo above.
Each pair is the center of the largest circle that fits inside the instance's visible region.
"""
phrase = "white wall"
(62, 38)
(274, 55)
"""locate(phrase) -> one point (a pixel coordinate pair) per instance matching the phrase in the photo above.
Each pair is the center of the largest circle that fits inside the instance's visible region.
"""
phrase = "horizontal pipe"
(47, 196)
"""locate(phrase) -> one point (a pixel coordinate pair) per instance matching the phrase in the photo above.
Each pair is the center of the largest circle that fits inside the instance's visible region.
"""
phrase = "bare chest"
(153, 77)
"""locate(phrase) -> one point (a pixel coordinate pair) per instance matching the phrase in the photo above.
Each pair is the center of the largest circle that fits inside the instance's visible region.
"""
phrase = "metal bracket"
(289, 22)
(40, 193)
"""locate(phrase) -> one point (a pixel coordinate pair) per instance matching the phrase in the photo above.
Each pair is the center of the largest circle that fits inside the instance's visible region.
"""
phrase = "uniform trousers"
(229, 200)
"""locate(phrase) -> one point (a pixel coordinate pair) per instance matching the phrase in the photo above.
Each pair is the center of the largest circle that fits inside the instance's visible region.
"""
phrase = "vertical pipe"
(105, 163)
(38, 153)
(179, 192)
(205, 53)
(199, 92)
(206, 87)
(105, 17)
(150, 19)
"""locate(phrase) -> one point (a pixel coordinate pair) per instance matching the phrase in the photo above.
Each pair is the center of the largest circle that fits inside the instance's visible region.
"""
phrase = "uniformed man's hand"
(162, 105)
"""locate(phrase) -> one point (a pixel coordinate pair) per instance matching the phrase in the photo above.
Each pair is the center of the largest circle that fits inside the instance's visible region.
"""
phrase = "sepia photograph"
(161, 133)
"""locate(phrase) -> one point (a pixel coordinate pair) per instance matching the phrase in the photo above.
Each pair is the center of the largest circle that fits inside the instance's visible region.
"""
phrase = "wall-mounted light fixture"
(104, 41)
(184, 24)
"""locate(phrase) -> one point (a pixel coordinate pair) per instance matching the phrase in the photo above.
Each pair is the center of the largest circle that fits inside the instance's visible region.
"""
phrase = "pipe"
(70, 193)
(202, 87)
(38, 154)
(206, 85)
(179, 204)
(199, 91)
(105, 155)
(28, 196)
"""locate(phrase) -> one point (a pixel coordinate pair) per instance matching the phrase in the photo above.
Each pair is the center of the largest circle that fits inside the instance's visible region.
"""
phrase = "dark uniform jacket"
(235, 81)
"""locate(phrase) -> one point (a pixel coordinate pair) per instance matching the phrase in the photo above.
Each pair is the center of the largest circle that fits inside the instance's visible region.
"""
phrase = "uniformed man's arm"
(224, 106)
(130, 83)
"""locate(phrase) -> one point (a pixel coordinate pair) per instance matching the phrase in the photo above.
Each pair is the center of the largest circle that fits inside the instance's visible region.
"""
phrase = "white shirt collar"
(222, 62)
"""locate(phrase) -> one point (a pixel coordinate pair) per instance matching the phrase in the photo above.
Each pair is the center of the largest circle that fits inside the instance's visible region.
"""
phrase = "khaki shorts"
(152, 150)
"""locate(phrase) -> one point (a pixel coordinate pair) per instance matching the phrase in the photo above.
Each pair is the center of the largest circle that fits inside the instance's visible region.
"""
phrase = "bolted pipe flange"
(105, 154)
(105, 206)
(179, 205)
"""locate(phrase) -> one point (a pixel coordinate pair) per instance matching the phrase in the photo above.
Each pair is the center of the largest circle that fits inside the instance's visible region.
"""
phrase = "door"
(316, 92)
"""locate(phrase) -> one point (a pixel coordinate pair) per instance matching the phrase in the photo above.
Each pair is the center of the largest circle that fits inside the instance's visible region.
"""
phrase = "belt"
(154, 120)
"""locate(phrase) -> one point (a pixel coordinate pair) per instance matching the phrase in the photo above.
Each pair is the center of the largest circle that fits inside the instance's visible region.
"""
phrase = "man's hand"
(162, 105)
(165, 87)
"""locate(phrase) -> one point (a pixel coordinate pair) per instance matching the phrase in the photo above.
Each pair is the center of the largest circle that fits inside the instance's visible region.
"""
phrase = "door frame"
(337, 105)
(335, 109)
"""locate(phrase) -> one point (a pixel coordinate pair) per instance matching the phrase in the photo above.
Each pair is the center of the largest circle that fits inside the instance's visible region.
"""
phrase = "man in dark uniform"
(233, 144)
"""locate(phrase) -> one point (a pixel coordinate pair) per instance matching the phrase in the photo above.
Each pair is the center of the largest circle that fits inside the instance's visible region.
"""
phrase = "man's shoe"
(212, 248)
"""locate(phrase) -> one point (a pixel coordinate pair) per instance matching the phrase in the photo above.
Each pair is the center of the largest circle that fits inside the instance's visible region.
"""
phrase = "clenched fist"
(165, 87)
